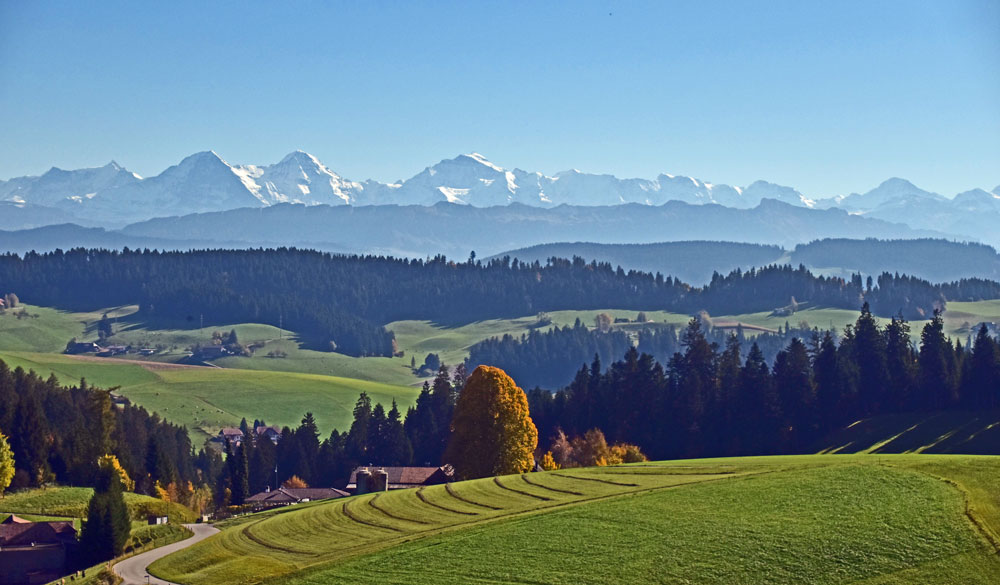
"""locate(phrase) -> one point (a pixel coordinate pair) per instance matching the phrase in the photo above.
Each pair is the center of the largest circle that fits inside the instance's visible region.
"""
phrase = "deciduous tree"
(6, 464)
(492, 430)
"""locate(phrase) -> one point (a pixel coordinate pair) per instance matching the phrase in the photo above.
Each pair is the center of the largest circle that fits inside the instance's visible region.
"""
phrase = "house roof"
(263, 429)
(16, 531)
(231, 432)
(408, 476)
(292, 495)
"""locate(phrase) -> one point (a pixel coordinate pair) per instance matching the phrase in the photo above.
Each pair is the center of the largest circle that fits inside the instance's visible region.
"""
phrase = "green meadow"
(204, 399)
(282, 389)
(71, 502)
(797, 519)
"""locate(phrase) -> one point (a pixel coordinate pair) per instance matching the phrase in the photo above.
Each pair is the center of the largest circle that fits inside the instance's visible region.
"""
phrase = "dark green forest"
(714, 400)
(58, 433)
(551, 359)
(341, 303)
(705, 400)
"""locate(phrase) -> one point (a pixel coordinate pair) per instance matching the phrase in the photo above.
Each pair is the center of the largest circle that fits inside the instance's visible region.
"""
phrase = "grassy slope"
(71, 502)
(50, 331)
(817, 519)
(205, 399)
(250, 387)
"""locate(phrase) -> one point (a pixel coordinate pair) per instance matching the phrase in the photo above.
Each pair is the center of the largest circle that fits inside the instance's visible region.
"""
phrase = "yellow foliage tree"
(591, 450)
(492, 430)
(111, 462)
(6, 464)
(295, 482)
(549, 462)
(161, 492)
(627, 453)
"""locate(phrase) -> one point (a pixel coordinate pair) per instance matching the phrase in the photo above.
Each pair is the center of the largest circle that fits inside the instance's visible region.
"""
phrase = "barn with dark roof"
(34, 552)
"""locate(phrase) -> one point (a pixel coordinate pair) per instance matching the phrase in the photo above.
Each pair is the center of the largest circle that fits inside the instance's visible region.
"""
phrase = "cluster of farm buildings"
(363, 479)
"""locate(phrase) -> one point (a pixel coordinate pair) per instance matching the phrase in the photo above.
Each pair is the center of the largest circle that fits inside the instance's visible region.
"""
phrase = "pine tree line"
(710, 400)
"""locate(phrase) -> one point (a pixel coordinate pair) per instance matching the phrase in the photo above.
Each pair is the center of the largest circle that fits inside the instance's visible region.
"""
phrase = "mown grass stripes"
(605, 481)
(373, 503)
(423, 498)
(451, 491)
(551, 489)
(347, 512)
(497, 481)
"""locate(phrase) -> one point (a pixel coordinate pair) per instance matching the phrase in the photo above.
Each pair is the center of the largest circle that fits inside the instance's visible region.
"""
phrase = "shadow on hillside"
(961, 432)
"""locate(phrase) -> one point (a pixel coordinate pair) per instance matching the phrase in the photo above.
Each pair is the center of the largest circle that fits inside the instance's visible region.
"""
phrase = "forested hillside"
(340, 303)
(936, 260)
(711, 400)
(58, 433)
(693, 261)
(931, 259)
(551, 359)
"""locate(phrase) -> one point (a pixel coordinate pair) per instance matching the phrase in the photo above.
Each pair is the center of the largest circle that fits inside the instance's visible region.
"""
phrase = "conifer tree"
(108, 523)
(981, 381)
(937, 365)
(397, 446)
(422, 429)
(358, 439)
(241, 476)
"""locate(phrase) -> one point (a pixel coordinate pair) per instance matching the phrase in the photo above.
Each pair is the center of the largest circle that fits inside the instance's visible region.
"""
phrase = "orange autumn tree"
(492, 431)
(294, 482)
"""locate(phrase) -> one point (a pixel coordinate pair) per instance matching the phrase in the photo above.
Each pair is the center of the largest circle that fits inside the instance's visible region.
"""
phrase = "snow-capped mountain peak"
(888, 191)
(757, 191)
(480, 159)
(204, 181)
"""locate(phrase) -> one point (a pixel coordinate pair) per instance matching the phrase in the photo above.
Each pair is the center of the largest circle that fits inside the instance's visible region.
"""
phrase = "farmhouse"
(403, 477)
(212, 352)
(74, 347)
(232, 435)
(271, 432)
(113, 350)
(287, 496)
(34, 552)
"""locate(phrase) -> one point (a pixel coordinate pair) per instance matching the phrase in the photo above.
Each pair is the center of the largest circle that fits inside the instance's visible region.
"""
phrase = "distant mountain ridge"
(204, 182)
(695, 262)
(455, 230)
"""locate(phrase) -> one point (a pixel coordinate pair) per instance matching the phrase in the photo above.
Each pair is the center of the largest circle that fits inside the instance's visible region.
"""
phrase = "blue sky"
(828, 97)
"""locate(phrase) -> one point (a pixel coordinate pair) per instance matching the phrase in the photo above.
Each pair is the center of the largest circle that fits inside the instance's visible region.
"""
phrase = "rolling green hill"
(811, 519)
(205, 399)
(282, 389)
(71, 502)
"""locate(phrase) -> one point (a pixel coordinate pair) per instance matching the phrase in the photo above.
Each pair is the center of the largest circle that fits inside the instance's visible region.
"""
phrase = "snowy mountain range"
(112, 196)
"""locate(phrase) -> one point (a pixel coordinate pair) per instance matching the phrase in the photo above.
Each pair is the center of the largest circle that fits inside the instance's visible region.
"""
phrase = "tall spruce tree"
(937, 366)
(241, 476)
(981, 380)
(108, 525)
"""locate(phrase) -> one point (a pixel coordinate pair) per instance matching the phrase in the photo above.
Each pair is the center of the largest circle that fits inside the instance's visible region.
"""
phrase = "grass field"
(71, 502)
(281, 390)
(206, 399)
(809, 519)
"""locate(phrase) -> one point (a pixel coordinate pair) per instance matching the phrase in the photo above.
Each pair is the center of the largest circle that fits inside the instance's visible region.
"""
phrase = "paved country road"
(133, 569)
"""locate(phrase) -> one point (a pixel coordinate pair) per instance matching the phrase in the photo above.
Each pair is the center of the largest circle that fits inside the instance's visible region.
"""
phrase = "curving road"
(133, 569)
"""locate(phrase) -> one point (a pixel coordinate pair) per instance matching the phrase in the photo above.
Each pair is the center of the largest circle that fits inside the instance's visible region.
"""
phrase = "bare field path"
(133, 570)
